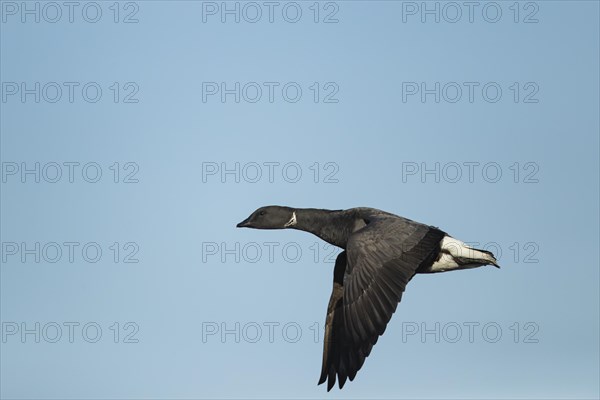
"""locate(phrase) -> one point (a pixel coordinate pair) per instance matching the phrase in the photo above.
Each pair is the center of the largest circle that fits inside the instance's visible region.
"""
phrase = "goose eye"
(262, 213)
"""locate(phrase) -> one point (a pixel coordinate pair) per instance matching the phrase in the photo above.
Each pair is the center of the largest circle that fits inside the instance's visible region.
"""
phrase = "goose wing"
(369, 279)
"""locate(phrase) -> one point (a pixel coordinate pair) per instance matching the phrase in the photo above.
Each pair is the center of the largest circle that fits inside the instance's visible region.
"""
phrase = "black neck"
(332, 226)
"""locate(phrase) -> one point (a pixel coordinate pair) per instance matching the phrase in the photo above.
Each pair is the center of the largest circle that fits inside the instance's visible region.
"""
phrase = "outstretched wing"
(378, 262)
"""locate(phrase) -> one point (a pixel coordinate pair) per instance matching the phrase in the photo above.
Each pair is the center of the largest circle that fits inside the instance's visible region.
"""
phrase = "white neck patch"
(292, 221)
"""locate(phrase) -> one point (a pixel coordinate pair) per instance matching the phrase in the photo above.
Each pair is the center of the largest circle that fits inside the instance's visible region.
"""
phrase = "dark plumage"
(382, 252)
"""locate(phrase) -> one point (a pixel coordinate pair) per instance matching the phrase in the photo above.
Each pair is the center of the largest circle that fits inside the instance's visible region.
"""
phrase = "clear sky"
(135, 135)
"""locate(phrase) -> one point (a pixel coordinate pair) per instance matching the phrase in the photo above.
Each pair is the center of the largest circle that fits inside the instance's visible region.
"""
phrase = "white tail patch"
(453, 251)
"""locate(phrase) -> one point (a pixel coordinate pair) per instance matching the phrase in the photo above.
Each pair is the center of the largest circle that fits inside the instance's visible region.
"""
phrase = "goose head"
(270, 217)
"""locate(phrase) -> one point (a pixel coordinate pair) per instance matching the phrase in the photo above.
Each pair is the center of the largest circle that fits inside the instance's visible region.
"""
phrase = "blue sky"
(134, 137)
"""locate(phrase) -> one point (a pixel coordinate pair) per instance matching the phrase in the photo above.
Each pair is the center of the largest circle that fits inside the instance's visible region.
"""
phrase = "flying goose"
(382, 252)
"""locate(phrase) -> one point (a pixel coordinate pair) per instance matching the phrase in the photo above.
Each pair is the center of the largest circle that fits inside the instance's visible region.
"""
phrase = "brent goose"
(382, 252)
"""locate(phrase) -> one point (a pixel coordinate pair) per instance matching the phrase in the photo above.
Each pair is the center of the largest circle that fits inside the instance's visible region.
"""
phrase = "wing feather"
(369, 279)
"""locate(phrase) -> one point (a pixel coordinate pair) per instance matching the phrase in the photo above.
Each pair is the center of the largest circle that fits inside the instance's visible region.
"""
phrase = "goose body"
(382, 252)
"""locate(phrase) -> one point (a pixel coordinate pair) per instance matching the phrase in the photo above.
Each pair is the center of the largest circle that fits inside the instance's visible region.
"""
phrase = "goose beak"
(245, 223)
